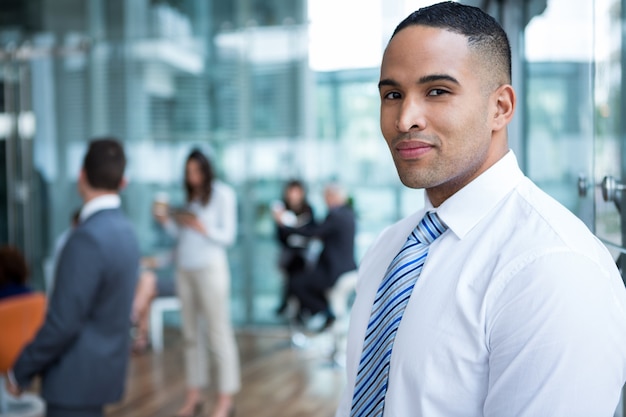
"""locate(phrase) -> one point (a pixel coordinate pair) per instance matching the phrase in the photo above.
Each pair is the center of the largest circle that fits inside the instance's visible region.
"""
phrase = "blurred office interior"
(277, 89)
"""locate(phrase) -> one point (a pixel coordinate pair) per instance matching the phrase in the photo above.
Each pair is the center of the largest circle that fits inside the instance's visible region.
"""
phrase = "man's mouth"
(412, 149)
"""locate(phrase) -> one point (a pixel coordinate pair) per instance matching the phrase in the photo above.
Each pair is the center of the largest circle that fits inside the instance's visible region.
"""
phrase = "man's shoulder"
(531, 224)
(100, 220)
(344, 211)
(103, 224)
(555, 217)
(110, 237)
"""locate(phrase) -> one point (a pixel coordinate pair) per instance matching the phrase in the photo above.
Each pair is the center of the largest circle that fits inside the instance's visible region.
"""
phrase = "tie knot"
(429, 229)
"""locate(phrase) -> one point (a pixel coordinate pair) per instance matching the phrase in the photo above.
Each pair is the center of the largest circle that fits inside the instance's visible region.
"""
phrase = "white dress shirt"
(195, 250)
(103, 202)
(519, 311)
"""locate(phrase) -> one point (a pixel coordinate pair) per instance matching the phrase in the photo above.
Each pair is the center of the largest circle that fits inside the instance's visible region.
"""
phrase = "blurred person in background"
(203, 229)
(145, 293)
(81, 351)
(295, 212)
(149, 287)
(336, 234)
(14, 272)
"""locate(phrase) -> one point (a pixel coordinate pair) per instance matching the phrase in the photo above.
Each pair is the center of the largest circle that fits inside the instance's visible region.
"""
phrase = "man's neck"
(92, 194)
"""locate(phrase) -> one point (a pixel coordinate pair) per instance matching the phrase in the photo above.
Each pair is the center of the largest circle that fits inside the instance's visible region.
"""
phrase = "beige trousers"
(204, 296)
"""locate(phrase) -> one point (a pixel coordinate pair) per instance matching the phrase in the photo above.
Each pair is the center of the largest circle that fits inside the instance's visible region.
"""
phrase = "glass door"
(609, 144)
(27, 145)
(609, 149)
(19, 188)
(574, 107)
(558, 102)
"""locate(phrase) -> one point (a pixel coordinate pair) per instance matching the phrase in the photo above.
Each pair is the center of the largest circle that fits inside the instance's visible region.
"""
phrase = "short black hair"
(484, 34)
(104, 164)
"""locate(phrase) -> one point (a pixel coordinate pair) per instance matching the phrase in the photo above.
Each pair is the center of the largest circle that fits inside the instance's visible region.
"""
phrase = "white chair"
(340, 294)
(158, 308)
(27, 405)
(340, 298)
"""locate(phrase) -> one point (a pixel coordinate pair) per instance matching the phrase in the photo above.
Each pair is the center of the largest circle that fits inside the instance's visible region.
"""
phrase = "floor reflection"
(279, 378)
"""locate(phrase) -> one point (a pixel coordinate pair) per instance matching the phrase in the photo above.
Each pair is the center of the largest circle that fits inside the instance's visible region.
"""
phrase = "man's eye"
(437, 92)
(392, 95)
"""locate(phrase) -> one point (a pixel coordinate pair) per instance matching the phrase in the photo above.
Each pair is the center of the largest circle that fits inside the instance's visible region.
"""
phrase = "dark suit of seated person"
(337, 233)
(13, 272)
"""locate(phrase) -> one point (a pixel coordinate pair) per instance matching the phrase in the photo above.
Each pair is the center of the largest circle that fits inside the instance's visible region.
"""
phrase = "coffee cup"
(161, 204)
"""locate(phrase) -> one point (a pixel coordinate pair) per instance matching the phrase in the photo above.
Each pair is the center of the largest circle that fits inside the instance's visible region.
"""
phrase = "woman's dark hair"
(207, 173)
(305, 206)
(13, 267)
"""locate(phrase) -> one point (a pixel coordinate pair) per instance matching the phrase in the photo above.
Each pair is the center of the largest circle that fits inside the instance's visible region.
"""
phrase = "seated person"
(13, 272)
(337, 234)
(149, 286)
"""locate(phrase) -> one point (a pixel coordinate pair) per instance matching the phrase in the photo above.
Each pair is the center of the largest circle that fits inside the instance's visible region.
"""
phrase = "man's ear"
(82, 176)
(123, 183)
(505, 106)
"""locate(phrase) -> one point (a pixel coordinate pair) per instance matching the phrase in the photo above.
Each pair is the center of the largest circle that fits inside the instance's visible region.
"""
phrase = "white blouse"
(195, 250)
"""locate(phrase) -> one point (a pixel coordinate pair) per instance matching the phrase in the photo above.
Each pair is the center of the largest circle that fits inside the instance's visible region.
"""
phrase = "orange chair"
(21, 316)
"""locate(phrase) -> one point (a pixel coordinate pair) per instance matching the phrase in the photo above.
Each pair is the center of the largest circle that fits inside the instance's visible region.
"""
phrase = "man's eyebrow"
(387, 82)
(423, 80)
(437, 77)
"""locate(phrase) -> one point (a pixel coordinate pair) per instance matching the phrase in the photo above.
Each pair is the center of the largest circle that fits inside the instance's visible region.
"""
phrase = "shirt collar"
(468, 206)
(103, 202)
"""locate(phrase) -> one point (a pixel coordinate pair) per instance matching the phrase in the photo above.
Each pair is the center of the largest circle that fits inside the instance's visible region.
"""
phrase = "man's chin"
(412, 182)
(413, 185)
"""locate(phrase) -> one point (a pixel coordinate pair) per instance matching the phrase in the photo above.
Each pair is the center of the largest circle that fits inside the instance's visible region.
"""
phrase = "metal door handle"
(582, 185)
(611, 189)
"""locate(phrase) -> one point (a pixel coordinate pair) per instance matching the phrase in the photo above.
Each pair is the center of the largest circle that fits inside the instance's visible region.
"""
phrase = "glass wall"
(233, 78)
(558, 101)
(574, 105)
(246, 82)
(609, 149)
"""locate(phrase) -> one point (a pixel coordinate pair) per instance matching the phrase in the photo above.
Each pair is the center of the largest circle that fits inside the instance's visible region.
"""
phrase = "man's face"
(435, 113)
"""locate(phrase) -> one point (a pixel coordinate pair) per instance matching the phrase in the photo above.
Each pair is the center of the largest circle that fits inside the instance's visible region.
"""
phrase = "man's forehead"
(426, 49)
(419, 31)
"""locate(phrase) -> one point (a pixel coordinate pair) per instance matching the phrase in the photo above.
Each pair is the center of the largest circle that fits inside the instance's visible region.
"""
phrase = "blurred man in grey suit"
(82, 350)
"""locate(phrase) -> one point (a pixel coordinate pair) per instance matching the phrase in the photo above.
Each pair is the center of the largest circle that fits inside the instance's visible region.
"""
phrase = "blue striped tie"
(391, 300)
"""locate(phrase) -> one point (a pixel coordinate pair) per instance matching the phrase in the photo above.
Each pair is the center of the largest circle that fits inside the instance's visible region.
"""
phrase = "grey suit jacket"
(82, 349)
